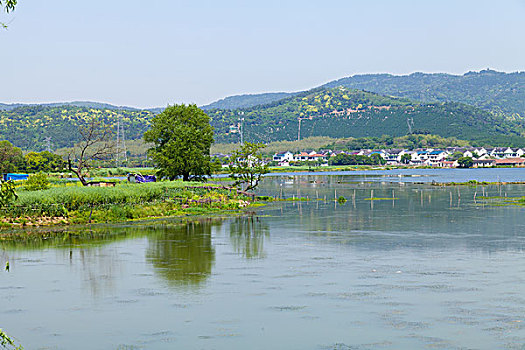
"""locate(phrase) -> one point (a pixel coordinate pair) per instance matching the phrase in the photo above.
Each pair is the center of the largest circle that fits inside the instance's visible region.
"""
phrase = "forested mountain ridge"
(87, 104)
(487, 89)
(342, 112)
(27, 127)
(337, 112)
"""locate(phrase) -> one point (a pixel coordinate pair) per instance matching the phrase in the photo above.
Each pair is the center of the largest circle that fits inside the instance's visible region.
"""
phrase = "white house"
(283, 157)
(437, 156)
(501, 152)
(393, 156)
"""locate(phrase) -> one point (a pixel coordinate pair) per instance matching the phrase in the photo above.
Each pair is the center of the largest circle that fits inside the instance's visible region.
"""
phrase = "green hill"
(28, 126)
(87, 104)
(337, 112)
(487, 89)
(342, 112)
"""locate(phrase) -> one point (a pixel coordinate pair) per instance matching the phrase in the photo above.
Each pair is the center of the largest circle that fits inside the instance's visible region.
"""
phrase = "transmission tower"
(48, 144)
(121, 151)
(410, 123)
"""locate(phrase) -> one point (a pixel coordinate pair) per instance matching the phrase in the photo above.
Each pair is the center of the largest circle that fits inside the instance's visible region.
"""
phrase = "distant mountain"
(87, 104)
(28, 126)
(342, 112)
(487, 89)
(487, 107)
(246, 101)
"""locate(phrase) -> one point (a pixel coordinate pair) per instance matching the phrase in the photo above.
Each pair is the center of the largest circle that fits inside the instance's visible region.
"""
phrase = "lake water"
(424, 267)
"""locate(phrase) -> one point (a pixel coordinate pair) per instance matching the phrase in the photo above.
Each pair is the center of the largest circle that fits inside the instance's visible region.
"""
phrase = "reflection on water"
(183, 256)
(247, 235)
(397, 266)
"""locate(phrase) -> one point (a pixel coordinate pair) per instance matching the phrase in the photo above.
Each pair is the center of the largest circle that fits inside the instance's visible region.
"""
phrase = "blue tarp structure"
(15, 177)
(138, 178)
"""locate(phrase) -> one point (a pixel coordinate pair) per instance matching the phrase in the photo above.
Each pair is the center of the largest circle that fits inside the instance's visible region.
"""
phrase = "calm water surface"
(425, 267)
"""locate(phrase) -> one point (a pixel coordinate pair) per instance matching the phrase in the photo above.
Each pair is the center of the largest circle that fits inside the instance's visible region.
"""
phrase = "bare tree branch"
(96, 144)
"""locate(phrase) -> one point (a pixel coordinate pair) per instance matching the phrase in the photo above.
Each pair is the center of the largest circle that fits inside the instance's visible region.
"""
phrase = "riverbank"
(124, 202)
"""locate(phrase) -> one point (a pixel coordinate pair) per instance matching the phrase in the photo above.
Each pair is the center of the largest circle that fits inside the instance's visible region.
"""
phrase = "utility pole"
(299, 131)
(241, 130)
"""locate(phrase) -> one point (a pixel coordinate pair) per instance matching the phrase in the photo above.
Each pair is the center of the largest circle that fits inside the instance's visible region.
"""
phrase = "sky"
(158, 52)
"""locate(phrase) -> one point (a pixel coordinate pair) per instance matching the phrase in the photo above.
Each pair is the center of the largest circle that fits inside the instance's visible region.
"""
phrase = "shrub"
(37, 182)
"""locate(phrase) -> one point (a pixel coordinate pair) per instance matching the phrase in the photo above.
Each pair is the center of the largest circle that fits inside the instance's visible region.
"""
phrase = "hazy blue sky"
(151, 53)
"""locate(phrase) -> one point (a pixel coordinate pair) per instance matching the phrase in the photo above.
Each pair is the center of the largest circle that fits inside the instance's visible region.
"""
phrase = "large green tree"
(182, 137)
(11, 158)
(44, 161)
(465, 162)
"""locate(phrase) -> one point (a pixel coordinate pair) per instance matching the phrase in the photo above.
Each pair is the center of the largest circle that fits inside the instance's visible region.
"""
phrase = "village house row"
(482, 157)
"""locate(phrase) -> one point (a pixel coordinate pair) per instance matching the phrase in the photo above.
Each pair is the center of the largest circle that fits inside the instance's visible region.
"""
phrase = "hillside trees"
(181, 136)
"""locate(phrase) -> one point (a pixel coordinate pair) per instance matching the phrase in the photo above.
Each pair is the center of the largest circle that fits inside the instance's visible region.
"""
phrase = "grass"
(125, 201)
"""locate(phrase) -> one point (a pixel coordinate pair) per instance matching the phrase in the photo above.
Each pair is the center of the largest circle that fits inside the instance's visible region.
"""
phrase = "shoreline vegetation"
(69, 205)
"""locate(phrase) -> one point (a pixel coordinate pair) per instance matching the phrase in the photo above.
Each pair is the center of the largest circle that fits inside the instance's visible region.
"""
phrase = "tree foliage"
(455, 156)
(37, 182)
(7, 192)
(44, 162)
(8, 6)
(11, 158)
(247, 166)
(181, 136)
(406, 158)
(465, 162)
